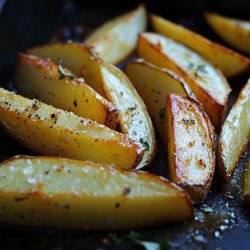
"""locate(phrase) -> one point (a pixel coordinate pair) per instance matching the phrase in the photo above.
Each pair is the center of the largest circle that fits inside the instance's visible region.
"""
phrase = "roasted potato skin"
(45, 192)
(40, 78)
(230, 62)
(233, 31)
(214, 107)
(190, 143)
(234, 135)
(117, 38)
(50, 131)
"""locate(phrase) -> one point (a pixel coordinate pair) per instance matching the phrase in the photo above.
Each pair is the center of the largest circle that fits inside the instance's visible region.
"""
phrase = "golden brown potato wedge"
(153, 83)
(111, 83)
(246, 194)
(207, 82)
(234, 31)
(117, 38)
(42, 79)
(230, 62)
(70, 194)
(50, 131)
(234, 134)
(190, 141)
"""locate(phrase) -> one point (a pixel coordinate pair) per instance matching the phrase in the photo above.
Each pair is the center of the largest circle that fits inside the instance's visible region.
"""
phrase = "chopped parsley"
(145, 144)
(191, 65)
(201, 68)
(64, 74)
(148, 245)
(115, 239)
(162, 113)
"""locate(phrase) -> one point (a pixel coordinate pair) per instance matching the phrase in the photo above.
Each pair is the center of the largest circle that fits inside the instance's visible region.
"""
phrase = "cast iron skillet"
(220, 222)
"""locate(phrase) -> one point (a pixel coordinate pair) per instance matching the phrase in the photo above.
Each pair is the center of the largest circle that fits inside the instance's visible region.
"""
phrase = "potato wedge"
(234, 134)
(190, 140)
(207, 82)
(153, 83)
(246, 195)
(111, 83)
(70, 194)
(117, 38)
(42, 79)
(50, 131)
(230, 62)
(234, 31)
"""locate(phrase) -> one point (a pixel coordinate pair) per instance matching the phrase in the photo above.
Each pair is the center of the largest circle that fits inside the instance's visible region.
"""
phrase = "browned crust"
(216, 46)
(207, 100)
(197, 191)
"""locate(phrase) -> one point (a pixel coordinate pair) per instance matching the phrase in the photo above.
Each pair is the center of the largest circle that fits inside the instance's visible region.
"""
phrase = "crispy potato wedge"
(234, 134)
(207, 82)
(190, 140)
(117, 38)
(42, 79)
(111, 83)
(246, 195)
(50, 131)
(56, 192)
(153, 83)
(230, 62)
(234, 31)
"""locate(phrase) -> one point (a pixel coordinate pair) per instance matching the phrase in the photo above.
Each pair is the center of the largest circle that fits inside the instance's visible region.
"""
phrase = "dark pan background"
(27, 23)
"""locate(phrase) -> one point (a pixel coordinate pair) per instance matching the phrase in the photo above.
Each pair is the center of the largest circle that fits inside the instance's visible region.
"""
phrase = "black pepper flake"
(132, 108)
(186, 121)
(117, 205)
(75, 103)
(126, 190)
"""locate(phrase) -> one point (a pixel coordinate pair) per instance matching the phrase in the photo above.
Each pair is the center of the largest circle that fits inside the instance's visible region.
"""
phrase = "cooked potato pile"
(42, 79)
(101, 115)
(206, 81)
(234, 31)
(50, 131)
(69, 194)
(230, 62)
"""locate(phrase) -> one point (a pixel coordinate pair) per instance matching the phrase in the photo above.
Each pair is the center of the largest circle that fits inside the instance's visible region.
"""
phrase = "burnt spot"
(67, 206)
(18, 199)
(117, 205)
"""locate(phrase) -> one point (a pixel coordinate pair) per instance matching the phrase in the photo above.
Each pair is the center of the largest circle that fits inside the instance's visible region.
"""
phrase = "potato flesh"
(134, 118)
(207, 83)
(50, 131)
(117, 38)
(39, 78)
(113, 85)
(153, 84)
(190, 146)
(56, 192)
(235, 133)
(230, 62)
(234, 31)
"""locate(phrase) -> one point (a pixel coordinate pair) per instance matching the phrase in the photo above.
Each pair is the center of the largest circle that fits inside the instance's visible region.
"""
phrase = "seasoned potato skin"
(230, 62)
(246, 194)
(50, 131)
(214, 106)
(40, 78)
(190, 141)
(44, 192)
(234, 135)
